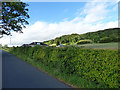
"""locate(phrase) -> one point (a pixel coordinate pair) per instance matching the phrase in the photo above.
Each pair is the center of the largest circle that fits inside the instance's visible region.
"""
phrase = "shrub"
(99, 66)
(57, 43)
(105, 40)
(5, 46)
(84, 41)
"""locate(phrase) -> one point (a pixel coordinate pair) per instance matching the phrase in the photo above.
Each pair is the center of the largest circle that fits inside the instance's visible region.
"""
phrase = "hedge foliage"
(105, 40)
(86, 41)
(99, 66)
(108, 39)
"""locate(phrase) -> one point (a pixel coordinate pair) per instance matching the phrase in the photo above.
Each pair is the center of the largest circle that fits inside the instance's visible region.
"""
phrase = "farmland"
(111, 46)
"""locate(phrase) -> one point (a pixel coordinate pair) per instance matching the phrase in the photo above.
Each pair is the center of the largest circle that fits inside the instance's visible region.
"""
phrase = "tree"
(0, 46)
(5, 46)
(105, 40)
(51, 41)
(57, 43)
(14, 15)
(85, 41)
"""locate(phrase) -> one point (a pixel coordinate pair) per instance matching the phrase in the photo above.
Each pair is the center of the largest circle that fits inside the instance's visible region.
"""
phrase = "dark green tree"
(105, 40)
(14, 15)
(57, 43)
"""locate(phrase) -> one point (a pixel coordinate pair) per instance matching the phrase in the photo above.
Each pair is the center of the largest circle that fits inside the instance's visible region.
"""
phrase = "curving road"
(19, 74)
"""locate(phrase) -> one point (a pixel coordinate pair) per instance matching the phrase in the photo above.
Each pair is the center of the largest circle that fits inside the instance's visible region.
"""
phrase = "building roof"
(35, 43)
(25, 44)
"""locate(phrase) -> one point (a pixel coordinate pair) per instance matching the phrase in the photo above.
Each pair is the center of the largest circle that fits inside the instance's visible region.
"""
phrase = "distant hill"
(101, 36)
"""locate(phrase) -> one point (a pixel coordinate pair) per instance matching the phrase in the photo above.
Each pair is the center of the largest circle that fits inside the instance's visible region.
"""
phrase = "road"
(18, 74)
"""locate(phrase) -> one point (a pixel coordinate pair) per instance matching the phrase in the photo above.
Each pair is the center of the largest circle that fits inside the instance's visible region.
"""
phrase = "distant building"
(34, 44)
(25, 45)
(37, 43)
(61, 45)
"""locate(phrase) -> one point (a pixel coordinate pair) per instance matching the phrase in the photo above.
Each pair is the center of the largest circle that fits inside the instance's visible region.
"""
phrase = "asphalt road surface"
(19, 74)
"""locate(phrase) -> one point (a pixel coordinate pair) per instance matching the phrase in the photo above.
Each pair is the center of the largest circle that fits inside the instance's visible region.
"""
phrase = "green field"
(112, 46)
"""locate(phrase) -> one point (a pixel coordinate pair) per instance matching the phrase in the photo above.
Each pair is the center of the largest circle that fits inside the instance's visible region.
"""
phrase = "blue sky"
(49, 20)
(53, 11)
(59, 11)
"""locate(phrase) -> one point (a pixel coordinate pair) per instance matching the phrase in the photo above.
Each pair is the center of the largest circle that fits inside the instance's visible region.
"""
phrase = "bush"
(99, 66)
(57, 43)
(84, 41)
(5, 46)
(105, 40)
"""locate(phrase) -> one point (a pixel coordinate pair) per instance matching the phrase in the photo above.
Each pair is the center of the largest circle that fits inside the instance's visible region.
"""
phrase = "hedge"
(105, 40)
(99, 66)
(84, 41)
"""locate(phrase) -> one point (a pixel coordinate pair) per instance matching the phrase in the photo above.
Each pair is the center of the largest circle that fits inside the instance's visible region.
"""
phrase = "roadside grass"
(7, 50)
(73, 81)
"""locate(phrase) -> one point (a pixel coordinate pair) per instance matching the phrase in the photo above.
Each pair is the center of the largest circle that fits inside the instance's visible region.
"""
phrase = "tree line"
(101, 36)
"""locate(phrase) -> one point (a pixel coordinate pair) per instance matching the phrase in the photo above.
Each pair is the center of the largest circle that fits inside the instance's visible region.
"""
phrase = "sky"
(49, 20)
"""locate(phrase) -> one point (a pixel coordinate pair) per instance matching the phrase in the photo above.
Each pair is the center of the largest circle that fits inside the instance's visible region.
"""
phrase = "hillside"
(101, 36)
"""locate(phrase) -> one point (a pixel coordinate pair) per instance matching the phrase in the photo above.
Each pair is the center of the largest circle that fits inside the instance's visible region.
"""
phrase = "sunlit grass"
(113, 46)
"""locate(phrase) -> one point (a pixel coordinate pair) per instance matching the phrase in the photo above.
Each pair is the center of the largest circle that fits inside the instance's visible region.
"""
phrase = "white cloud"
(117, 1)
(50, 31)
(94, 13)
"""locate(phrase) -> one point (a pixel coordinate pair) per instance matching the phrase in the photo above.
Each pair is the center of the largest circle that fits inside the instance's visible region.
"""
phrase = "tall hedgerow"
(99, 66)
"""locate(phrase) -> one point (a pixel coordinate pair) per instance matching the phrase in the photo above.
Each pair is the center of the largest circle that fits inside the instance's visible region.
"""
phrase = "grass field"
(112, 46)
